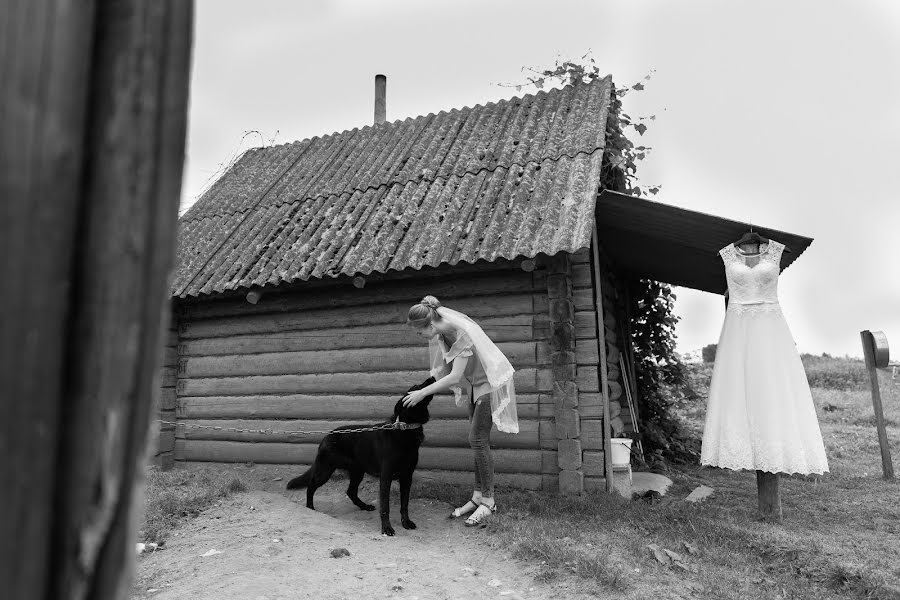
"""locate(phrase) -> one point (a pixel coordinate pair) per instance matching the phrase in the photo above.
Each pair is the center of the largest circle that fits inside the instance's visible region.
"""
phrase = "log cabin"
(295, 271)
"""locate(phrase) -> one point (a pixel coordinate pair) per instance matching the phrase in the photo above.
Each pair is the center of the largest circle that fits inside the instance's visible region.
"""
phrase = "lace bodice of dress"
(750, 283)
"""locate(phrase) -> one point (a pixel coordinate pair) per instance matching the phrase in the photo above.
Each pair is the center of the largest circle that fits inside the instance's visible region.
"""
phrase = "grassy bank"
(840, 537)
(176, 495)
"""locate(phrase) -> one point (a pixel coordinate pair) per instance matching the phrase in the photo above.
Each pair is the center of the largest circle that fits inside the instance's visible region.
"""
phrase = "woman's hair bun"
(431, 302)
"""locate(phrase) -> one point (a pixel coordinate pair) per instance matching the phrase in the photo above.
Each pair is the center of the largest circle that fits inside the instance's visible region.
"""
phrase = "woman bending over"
(462, 354)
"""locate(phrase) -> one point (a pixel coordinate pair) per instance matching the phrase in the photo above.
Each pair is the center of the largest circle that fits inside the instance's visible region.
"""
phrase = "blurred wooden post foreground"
(875, 349)
(93, 114)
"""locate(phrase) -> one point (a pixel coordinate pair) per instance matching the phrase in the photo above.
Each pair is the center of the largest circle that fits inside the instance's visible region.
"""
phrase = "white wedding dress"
(760, 414)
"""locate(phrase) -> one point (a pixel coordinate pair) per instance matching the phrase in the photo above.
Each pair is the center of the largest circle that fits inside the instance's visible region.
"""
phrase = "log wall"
(162, 436)
(326, 354)
(561, 331)
(319, 356)
(616, 317)
(613, 339)
(577, 386)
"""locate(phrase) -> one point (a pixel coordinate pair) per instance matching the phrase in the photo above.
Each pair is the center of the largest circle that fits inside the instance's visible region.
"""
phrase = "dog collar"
(403, 426)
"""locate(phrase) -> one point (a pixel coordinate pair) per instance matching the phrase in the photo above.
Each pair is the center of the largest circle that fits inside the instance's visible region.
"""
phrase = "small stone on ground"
(700, 493)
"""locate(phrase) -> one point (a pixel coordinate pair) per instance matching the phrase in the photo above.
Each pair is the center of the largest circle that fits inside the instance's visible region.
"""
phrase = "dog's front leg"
(384, 500)
(405, 484)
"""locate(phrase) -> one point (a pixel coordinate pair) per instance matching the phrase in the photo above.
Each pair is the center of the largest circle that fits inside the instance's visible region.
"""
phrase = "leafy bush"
(661, 376)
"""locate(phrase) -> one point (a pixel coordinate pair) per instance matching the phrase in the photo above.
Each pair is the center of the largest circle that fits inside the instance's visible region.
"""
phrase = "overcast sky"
(785, 114)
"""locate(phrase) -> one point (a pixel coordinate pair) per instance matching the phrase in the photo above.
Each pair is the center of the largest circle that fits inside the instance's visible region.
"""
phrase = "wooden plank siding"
(313, 358)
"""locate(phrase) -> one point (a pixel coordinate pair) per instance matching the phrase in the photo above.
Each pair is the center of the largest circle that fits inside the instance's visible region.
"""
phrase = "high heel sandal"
(480, 515)
(464, 509)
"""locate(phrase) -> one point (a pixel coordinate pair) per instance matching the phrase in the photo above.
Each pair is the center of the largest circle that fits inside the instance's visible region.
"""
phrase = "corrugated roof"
(506, 179)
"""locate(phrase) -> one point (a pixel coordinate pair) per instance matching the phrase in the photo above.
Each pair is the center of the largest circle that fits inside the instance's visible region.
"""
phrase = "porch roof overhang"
(674, 245)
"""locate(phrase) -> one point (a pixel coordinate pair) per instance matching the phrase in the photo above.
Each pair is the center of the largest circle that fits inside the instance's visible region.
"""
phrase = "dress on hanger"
(760, 413)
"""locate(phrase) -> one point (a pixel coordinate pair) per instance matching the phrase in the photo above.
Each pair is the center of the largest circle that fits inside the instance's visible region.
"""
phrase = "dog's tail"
(298, 483)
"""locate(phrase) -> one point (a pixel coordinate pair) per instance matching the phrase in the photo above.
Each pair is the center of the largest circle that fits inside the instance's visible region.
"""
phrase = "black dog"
(386, 453)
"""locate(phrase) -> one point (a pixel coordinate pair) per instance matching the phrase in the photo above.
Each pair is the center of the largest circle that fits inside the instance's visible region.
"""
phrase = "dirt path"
(270, 547)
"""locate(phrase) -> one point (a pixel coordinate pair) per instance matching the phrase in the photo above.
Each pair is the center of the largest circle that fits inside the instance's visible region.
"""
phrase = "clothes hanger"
(751, 237)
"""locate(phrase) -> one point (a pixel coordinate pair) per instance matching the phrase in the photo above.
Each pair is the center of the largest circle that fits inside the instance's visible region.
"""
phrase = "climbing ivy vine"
(659, 372)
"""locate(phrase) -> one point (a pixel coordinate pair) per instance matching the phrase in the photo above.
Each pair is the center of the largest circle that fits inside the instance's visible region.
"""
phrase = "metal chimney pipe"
(380, 101)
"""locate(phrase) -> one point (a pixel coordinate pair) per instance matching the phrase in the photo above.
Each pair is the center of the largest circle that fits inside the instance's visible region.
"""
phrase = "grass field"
(840, 537)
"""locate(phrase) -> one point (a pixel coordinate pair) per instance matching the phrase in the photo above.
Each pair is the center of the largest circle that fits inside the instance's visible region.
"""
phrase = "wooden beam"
(449, 433)
(389, 335)
(450, 459)
(528, 380)
(873, 360)
(768, 487)
(487, 279)
(521, 481)
(334, 406)
(93, 121)
(521, 354)
(601, 350)
(393, 313)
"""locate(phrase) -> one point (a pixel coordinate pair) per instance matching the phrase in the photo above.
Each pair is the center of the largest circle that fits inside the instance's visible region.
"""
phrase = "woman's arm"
(444, 383)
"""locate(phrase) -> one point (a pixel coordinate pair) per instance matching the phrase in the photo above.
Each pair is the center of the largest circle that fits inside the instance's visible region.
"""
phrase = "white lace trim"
(774, 466)
(772, 253)
(733, 450)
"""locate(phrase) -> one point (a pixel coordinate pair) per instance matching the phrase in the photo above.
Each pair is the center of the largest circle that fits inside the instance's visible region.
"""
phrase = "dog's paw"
(407, 524)
(367, 507)
(387, 530)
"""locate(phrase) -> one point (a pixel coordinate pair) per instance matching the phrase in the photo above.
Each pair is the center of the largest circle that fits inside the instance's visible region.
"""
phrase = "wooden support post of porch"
(604, 375)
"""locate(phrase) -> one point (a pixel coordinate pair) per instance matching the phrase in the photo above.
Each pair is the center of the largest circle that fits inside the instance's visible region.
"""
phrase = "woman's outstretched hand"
(413, 398)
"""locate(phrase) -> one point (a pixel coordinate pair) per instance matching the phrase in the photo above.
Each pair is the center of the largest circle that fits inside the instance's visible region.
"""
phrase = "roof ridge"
(352, 191)
(537, 94)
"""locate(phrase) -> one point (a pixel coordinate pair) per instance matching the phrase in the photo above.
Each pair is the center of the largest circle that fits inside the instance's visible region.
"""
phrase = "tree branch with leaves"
(624, 154)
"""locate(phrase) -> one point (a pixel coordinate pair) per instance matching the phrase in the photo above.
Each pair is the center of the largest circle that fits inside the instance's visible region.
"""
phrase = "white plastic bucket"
(621, 451)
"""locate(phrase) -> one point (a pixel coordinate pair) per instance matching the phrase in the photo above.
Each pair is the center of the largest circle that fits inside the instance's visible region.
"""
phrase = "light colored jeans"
(480, 441)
